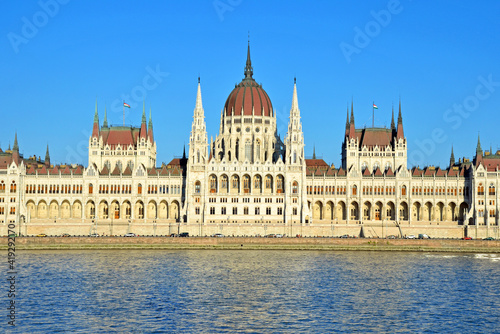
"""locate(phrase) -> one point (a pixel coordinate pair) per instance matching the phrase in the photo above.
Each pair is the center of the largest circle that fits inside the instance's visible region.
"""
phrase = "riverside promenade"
(255, 243)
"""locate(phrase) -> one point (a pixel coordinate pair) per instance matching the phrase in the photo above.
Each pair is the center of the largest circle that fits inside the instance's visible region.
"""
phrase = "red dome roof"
(249, 96)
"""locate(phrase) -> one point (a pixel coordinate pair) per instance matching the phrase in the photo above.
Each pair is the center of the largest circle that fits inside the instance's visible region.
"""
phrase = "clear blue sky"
(433, 56)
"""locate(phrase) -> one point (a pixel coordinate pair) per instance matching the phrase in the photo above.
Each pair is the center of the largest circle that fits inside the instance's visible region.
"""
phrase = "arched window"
(2, 187)
(403, 191)
(492, 190)
(279, 184)
(295, 187)
(107, 164)
(248, 151)
(480, 189)
(198, 156)
(257, 182)
(237, 150)
(269, 181)
(246, 184)
(257, 150)
(354, 190)
(235, 182)
(130, 164)
(294, 157)
(197, 187)
(223, 182)
(13, 187)
(91, 188)
(139, 188)
(213, 184)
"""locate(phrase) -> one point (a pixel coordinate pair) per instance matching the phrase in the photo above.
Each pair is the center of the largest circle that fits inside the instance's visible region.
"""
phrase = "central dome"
(248, 98)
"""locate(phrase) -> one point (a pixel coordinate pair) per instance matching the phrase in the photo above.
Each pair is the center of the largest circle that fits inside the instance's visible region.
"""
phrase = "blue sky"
(441, 59)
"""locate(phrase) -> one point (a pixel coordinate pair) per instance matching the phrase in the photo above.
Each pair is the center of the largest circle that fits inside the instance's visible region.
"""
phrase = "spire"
(184, 152)
(105, 123)
(248, 68)
(393, 125)
(400, 133)
(352, 129)
(347, 122)
(295, 101)
(47, 156)
(144, 130)
(452, 157)
(314, 151)
(16, 146)
(478, 147)
(95, 128)
(352, 112)
(150, 127)
(199, 104)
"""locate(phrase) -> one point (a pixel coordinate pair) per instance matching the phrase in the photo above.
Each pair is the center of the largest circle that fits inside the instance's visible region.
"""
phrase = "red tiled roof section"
(491, 163)
(366, 172)
(375, 137)
(119, 136)
(316, 163)
(378, 172)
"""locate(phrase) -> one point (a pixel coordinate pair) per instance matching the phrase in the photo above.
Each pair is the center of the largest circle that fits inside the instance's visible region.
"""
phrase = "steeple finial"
(184, 152)
(352, 112)
(96, 115)
(314, 151)
(347, 118)
(452, 157)
(105, 123)
(16, 146)
(478, 147)
(150, 124)
(47, 156)
(248, 68)
(199, 104)
(295, 100)
(144, 112)
(400, 117)
(393, 125)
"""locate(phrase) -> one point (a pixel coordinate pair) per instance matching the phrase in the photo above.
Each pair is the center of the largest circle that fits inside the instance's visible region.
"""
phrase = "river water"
(255, 292)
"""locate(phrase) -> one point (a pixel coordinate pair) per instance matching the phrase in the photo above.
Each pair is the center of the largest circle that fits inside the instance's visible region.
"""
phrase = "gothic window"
(245, 210)
(235, 182)
(295, 187)
(269, 181)
(279, 184)
(257, 182)
(197, 187)
(257, 211)
(119, 165)
(237, 151)
(212, 210)
(480, 189)
(13, 187)
(364, 165)
(268, 211)
(235, 210)
(223, 210)
(492, 190)
(246, 184)
(139, 188)
(403, 191)
(107, 164)
(248, 151)
(91, 188)
(257, 150)
(2, 187)
(354, 190)
(213, 184)
(198, 157)
(223, 182)
(294, 157)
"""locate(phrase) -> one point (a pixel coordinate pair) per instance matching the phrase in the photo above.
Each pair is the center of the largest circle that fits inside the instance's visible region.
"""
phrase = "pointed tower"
(479, 152)
(144, 130)
(393, 125)
(352, 129)
(95, 128)
(294, 140)
(400, 134)
(150, 128)
(452, 158)
(198, 142)
(105, 122)
(15, 151)
(347, 123)
(248, 67)
(47, 156)
(314, 152)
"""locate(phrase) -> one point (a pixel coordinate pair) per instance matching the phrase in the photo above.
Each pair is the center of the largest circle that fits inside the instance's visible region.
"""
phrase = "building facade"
(249, 181)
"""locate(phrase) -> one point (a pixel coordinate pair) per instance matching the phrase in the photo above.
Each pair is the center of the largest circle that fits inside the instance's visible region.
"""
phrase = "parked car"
(41, 235)
(173, 235)
(65, 235)
(218, 235)
(489, 238)
(391, 237)
(423, 236)
(271, 235)
(345, 236)
(279, 235)
(130, 235)
(93, 235)
(467, 238)
(184, 235)
(411, 236)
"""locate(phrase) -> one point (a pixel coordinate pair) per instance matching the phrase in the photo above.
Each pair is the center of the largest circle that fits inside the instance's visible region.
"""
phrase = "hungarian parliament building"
(248, 181)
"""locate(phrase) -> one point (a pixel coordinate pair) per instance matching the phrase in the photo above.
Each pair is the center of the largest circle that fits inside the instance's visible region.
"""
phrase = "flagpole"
(123, 106)
(373, 114)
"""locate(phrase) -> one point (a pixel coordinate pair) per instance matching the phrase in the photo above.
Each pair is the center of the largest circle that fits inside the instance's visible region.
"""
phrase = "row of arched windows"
(13, 187)
(248, 184)
(53, 189)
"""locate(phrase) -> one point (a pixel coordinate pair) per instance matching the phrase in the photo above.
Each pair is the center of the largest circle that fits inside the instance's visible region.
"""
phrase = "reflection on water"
(257, 292)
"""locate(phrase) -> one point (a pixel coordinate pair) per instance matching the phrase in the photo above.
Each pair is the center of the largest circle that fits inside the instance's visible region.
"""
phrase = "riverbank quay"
(256, 243)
